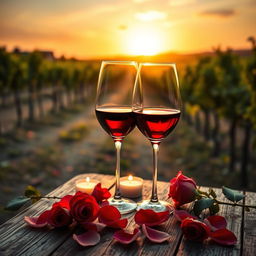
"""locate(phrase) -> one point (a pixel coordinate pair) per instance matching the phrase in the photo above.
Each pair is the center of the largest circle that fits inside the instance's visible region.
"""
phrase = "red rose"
(100, 193)
(182, 189)
(83, 207)
(195, 230)
(59, 216)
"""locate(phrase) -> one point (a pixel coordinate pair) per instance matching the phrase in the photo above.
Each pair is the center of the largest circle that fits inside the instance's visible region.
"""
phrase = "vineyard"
(48, 131)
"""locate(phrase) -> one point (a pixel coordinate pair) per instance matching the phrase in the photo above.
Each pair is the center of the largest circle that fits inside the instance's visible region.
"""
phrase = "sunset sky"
(92, 28)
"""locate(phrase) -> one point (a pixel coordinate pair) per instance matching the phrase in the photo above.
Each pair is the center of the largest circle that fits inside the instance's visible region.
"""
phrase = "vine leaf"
(232, 195)
(202, 204)
(31, 191)
(16, 203)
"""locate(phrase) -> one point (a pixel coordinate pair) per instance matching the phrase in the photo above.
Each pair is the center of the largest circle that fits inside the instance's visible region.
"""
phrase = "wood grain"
(16, 238)
(233, 216)
(249, 239)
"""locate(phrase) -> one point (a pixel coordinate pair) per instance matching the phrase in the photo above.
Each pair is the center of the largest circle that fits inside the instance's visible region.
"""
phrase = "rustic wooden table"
(16, 238)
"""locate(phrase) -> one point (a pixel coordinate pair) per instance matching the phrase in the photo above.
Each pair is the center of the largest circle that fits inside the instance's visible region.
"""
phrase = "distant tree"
(5, 69)
(17, 83)
(249, 113)
(206, 80)
(233, 94)
(187, 91)
(34, 63)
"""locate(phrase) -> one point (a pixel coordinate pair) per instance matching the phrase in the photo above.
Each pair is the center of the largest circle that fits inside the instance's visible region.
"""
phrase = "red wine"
(157, 123)
(117, 122)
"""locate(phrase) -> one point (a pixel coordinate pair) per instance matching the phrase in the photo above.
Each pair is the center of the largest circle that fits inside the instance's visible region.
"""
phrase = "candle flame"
(130, 177)
(87, 179)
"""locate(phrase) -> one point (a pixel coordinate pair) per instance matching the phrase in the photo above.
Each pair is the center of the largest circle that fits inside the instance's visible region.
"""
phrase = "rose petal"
(150, 217)
(110, 216)
(88, 238)
(127, 238)
(224, 237)
(33, 222)
(155, 235)
(96, 226)
(109, 213)
(104, 203)
(216, 222)
(100, 193)
(180, 215)
(38, 221)
(64, 202)
(117, 223)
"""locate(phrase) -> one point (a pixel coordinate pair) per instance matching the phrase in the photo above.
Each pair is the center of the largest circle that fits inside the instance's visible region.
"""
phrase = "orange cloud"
(222, 13)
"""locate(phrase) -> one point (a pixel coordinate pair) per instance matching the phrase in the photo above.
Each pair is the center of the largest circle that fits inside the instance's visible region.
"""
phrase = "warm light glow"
(130, 177)
(87, 179)
(144, 42)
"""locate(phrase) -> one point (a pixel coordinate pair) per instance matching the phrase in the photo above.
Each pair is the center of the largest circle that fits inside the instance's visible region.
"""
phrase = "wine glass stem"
(118, 145)
(154, 198)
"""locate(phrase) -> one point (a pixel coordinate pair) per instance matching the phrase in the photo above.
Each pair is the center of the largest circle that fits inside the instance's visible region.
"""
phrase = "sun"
(144, 42)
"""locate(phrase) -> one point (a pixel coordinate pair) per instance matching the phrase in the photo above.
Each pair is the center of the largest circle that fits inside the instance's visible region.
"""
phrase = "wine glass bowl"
(114, 113)
(157, 108)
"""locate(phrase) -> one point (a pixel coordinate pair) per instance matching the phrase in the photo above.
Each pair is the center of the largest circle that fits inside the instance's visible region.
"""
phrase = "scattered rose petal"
(216, 222)
(224, 237)
(150, 217)
(100, 193)
(180, 215)
(32, 222)
(88, 238)
(154, 235)
(96, 226)
(126, 238)
(110, 216)
(38, 221)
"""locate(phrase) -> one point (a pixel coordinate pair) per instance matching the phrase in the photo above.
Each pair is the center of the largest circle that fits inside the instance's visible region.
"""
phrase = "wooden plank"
(16, 238)
(70, 247)
(233, 216)
(109, 247)
(249, 239)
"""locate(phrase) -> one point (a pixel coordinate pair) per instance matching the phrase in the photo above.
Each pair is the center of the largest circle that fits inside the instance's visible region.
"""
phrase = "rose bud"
(59, 217)
(83, 207)
(182, 189)
(100, 193)
(195, 230)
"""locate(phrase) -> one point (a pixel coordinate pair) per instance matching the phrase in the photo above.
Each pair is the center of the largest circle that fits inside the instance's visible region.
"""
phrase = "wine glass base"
(159, 206)
(123, 205)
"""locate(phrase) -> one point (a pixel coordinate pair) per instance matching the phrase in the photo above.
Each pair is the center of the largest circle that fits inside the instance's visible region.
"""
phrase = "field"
(53, 147)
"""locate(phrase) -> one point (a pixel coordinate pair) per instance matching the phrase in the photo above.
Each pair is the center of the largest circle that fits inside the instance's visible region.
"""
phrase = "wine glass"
(157, 108)
(114, 113)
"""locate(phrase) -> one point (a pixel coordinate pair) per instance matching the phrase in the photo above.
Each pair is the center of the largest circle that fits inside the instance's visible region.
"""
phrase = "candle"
(131, 186)
(86, 185)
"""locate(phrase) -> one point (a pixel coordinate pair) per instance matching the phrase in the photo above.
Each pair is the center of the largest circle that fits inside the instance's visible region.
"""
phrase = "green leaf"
(212, 193)
(16, 203)
(214, 208)
(197, 195)
(232, 195)
(31, 191)
(202, 204)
